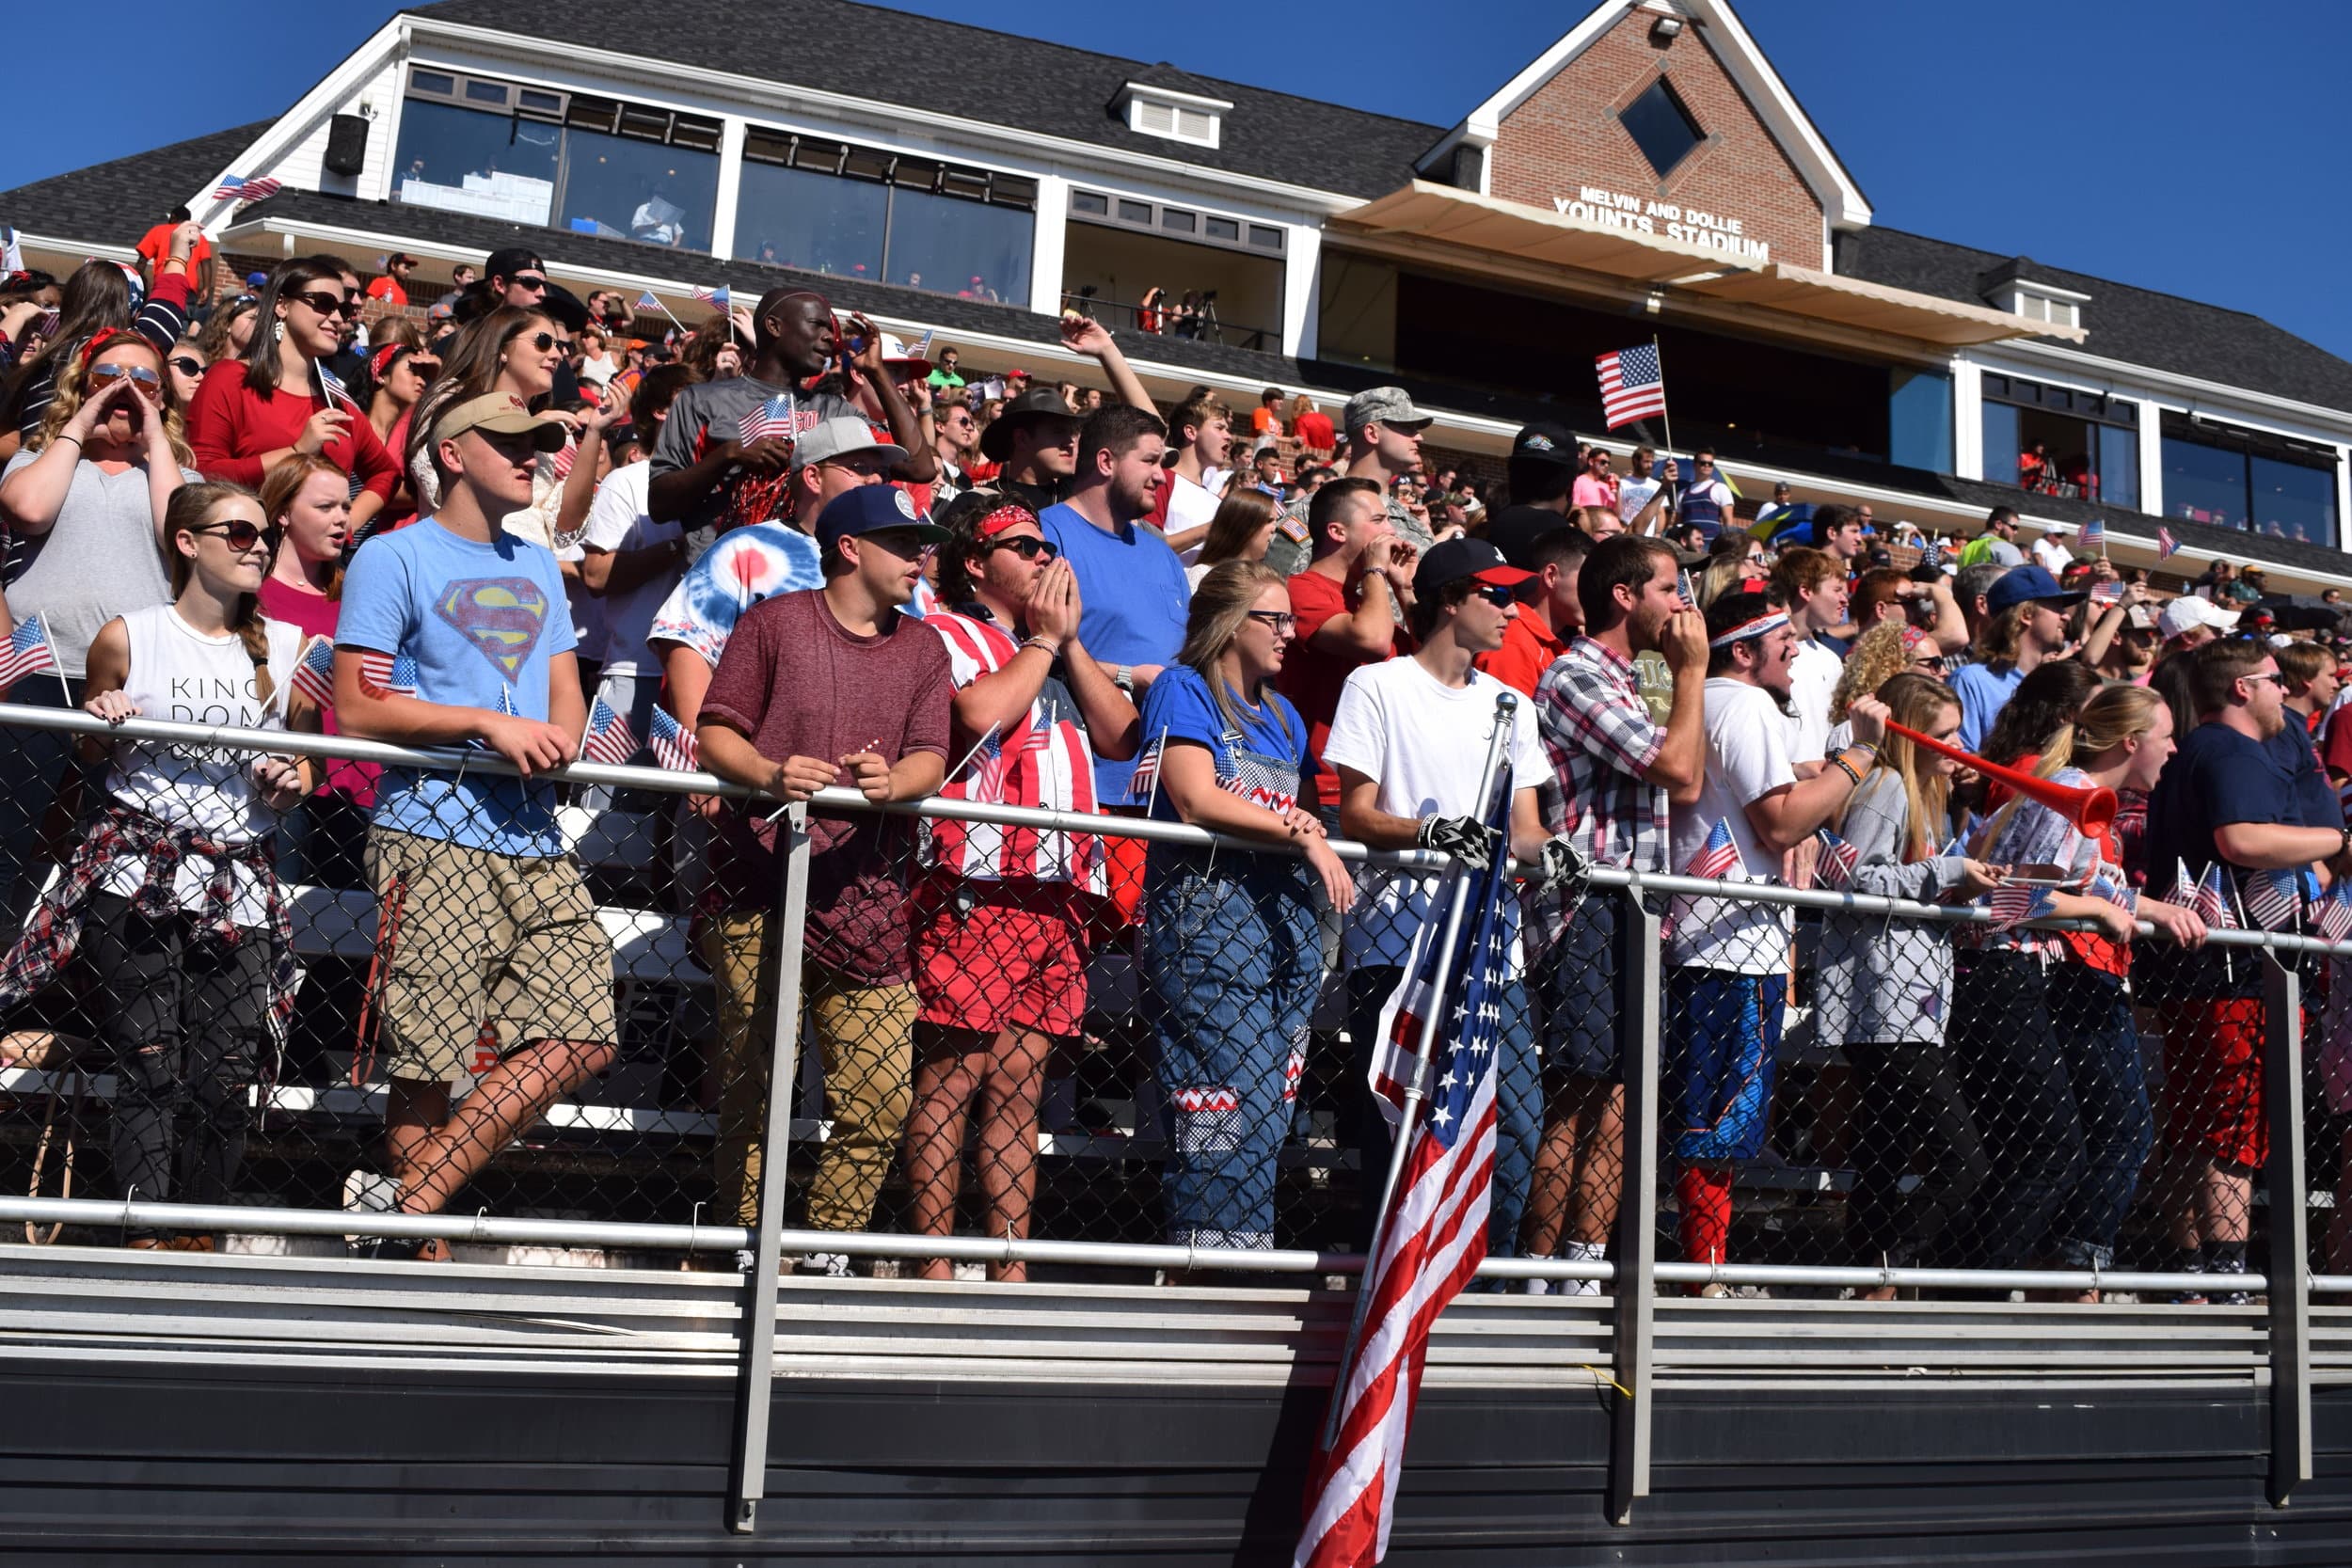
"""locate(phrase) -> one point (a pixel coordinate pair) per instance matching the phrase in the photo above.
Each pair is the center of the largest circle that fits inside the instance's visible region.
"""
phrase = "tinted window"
(1662, 127)
(2294, 502)
(492, 165)
(813, 221)
(622, 188)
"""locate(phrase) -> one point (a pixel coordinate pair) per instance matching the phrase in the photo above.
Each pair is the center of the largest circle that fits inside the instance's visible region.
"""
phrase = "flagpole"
(1505, 704)
(1665, 415)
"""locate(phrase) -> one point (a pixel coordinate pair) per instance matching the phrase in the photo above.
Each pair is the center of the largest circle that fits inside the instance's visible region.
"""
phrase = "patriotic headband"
(104, 338)
(1912, 636)
(1756, 627)
(1003, 518)
(384, 356)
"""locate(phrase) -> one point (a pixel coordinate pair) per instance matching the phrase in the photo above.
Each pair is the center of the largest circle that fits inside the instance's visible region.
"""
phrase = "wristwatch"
(1124, 678)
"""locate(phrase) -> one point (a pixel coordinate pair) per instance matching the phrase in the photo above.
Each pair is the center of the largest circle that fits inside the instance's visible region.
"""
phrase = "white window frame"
(1184, 117)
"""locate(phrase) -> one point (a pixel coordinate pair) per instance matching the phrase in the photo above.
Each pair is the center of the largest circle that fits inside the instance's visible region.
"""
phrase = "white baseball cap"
(2188, 611)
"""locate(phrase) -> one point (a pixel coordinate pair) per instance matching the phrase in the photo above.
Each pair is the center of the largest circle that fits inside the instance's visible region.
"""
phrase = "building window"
(2059, 441)
(470, 144)
(1660, 126)
(1177, 115)
(1919, 420)
(2243, 479)
(858, 212)
(1126, 212)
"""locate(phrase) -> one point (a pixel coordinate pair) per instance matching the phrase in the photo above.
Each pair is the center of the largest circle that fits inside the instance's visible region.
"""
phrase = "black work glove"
(1466, 838)
(1565, 869)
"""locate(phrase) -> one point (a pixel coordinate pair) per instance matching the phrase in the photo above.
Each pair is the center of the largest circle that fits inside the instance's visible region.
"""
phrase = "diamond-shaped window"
(1662, 127)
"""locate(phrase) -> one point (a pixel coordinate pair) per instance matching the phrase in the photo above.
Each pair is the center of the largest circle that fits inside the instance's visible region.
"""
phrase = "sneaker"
(1540, 1286)
(825, 1265)
(365, 1192)
(1577, 1286)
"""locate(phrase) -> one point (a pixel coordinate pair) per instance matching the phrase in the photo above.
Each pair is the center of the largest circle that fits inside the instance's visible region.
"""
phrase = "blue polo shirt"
(1136, 596)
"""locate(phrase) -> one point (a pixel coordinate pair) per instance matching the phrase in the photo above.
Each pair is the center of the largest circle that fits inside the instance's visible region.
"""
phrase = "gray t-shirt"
(99, 559)
(712, 412)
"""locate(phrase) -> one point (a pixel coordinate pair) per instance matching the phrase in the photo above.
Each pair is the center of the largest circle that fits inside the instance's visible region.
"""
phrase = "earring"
(276, 331)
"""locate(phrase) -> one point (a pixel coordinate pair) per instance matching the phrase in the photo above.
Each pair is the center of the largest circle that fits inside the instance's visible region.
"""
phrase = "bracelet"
(75, 440)
(1846, 768)
(1053, 649)
(1864, 747)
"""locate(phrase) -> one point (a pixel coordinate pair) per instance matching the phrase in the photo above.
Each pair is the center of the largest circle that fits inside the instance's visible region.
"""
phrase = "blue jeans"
(1723, 1050)
(1518, 1106)
(1233, 960)
(2090, 1018)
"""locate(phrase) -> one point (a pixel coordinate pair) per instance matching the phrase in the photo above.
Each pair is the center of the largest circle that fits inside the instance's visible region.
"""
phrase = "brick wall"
(1566, 136)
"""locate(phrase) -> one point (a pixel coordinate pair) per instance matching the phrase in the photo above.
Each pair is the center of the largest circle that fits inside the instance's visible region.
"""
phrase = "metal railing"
(635, 1162)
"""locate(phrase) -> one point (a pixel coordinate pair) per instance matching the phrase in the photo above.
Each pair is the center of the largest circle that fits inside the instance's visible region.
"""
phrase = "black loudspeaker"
(346, 144)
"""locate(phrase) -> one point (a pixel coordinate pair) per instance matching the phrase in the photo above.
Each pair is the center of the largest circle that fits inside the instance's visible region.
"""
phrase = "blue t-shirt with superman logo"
(480, 623)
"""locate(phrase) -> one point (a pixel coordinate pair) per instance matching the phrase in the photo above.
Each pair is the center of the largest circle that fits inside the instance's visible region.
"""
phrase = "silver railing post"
(2288, 1262)
(1636, 1300)
(756, 1379)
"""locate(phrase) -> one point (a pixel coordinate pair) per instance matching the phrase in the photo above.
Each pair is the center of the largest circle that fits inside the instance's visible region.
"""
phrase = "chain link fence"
(1169, 1047)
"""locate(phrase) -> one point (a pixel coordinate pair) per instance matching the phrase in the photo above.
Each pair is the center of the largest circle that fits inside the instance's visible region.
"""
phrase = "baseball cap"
(1516, 531)
(1544, 442)
(1390, 406)
(512, 260)
(871, 507)
(500, 414)
(2022, 584)
(1038, 402)
(838, 437)
(2189, 612)
(256, 279)
(1458, 558)
(895, 352)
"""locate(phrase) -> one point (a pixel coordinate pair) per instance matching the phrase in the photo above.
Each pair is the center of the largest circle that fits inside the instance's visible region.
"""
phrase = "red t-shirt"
(155, 245)
(1311, 677)
(1315, 431)
(387, 288)
(1527, 650)
(798, 683)
(313, 615)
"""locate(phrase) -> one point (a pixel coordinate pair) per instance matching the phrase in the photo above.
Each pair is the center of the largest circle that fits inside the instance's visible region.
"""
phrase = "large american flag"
(28, 650)
(1433, 1234)
(1632, 386)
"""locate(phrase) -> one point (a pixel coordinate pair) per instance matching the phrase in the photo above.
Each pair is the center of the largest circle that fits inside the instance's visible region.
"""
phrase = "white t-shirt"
(1425, 742)
(1747, 758)
(1190, 506)
(2050, 552)
(1633, 494)
(1813, 678)
(617, 521)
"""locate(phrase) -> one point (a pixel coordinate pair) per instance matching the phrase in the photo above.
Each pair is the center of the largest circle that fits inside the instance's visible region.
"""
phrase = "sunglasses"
(545, 340)
(329, 305)
(1028, 550)
(1495, 594)
(1280, 620)
(186, 364)
(526, 281)
(240, 536)
(105, 375)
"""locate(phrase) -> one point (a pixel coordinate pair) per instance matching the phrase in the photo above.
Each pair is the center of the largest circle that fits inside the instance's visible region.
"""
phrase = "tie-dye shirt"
(745, 566)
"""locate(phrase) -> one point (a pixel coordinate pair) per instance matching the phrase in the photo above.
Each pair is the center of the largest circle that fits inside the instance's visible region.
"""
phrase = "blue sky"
(2161, 143)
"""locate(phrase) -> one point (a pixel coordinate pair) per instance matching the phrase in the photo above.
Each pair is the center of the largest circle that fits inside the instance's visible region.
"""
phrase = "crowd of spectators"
(810, 555)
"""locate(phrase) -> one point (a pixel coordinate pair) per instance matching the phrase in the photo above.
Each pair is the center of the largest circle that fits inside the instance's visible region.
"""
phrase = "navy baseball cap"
(2027, 584)
(870, 509)
(1458, 558)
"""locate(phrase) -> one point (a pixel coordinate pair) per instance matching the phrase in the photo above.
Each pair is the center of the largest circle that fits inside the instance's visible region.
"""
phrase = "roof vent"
(1184, 117)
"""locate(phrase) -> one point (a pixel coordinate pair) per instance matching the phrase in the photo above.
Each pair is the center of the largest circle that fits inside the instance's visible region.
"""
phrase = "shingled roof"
(2139, 327)
(1029, 84)
(114, 203)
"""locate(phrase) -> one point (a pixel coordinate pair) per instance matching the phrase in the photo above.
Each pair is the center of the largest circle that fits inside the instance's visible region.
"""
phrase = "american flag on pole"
(646, 302)
(1632, 386)
(1433, 1234)
(771, 418)
(1933, 554)
(314, 672)
(608, 738)
(721, 297)
(1719, 856)
(2331, 912)
(2095, 534)
(2107, 593)
(388, 674)
(673, 744)
(2165, 544)
(236, 188)
(2271, 899)
(1690, 595)
(2212, 900)
(28, 650)
(1839, 860)
(506, 706)
(336, 391)
(2013, 906)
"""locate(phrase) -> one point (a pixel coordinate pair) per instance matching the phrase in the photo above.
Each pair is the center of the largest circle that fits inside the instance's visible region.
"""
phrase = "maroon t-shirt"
(799, 684)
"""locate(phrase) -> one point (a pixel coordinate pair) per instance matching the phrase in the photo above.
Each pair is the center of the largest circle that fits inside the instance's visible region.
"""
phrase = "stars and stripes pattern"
(332, 385)
(1690, 595)
(2013, 906)
(1932, 554)
(390, 675)
(721, 297)
(771, 418)
(1719, 856)
(2107, 593)
(2211, 900)
(2270, 898)
(646, 302)
(2109, 884)
(237, 188)
(608, 738)
(505, 706)
(2331, 912)
(314, 672)
(1632, 386)
(2166, 546)
(674, 745)
(1434, 1233)
(1839, 860)
(2095, 534)
(28, 652)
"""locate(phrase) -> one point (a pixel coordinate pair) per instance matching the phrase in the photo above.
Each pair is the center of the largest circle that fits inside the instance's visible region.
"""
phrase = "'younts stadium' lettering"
(1647, 216)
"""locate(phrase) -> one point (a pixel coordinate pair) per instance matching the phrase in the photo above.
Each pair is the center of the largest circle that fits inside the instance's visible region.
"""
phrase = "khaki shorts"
(477, 946)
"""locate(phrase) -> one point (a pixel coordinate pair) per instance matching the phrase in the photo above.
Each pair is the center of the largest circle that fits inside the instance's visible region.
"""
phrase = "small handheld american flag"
(28, 650)
(1839, 860)
(2107, 593)
(646, 302)
(332, 384)
(2013, 906)
(771, 418)
(1933, 554)
(2212, 900)
(2109, 882)
(2272, 898)
(2095, 534)
(2165, 544)
(236, 188)
(1690, 595)
(2332, 913)
(674, 745)
(505, 706)
(314, 672)
(1719, 856)
(721, 297)
(389, 674)
(608, 738)
(1632, 386)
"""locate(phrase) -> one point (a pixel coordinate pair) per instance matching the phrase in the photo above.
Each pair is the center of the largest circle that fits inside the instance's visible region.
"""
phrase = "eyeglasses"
(329, 305)
(1495, 594)
(186, 364)
(102, 374)
(1027, 548)
(240, 536)
(1280, 620)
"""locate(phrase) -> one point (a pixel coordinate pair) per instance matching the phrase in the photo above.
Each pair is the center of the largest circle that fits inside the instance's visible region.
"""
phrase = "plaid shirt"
(54, 931)
(1600, 737)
